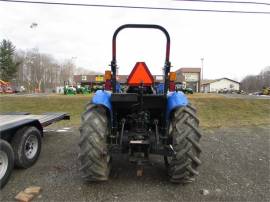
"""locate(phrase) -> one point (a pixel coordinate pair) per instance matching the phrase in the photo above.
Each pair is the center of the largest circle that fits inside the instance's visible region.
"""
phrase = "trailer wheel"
(6, 162)
(27, 146)
(93, 156)
(182, 166)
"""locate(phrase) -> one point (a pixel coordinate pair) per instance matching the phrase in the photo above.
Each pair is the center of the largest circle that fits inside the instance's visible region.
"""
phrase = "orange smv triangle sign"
(140, 75)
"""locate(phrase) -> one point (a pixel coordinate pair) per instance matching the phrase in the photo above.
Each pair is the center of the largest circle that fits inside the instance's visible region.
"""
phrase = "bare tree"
(38, 71)
(66, 71)
(255, 83)
(83, 71)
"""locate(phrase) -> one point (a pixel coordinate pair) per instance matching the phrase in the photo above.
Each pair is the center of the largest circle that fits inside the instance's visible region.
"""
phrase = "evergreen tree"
(8, 67)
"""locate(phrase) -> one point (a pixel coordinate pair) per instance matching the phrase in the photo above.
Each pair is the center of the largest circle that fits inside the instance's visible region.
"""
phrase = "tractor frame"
(140, 122)
(160, 106)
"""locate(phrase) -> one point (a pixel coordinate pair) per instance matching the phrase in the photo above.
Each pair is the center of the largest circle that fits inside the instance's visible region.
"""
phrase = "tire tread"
(186, 136)
(93, 148)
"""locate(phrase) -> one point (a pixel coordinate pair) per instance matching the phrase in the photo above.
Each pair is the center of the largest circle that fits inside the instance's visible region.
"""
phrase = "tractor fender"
(103, 98)
(175, 99)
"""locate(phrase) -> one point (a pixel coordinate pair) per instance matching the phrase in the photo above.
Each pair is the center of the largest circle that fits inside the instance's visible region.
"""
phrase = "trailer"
(20, 139)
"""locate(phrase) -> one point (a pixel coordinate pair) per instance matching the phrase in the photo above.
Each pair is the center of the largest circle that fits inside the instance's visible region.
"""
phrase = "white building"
(219, 85)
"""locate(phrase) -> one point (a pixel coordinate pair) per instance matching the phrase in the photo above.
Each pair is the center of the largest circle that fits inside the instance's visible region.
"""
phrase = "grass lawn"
(74, 105)
(213, 110)
(218, 111)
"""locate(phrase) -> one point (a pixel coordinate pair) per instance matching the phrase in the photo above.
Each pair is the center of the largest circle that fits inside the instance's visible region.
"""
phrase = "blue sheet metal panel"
(160, 88)
(102, 97)
(175, 99)
(118, 88)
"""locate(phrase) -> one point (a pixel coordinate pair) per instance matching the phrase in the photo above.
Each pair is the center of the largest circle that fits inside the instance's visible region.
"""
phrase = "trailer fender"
(7, 132)
(175, 99)
(103, 98)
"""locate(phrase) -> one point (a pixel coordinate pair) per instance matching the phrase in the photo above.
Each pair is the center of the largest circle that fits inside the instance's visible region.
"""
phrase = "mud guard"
(103, 98)
(175, 99)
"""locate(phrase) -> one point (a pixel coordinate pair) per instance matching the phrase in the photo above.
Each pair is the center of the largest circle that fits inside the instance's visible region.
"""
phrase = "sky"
(232, 45)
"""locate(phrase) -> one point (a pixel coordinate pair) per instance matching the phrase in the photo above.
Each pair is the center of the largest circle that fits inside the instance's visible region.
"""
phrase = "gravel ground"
(235, 168)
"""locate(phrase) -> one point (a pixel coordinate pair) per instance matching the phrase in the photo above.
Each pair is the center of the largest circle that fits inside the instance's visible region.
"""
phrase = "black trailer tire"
(93, 157)
(26, 145)
(185, 142)
(6, 162)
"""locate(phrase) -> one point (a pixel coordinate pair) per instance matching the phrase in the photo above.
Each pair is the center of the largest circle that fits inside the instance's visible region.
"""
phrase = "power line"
(229, 2)
(138, 7)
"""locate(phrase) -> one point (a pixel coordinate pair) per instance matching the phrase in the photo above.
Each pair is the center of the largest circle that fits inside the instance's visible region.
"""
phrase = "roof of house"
(204, 82)
(229, 79)
(189, 70)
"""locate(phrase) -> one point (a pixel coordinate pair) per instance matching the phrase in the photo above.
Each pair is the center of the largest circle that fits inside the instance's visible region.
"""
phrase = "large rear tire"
(6, 162)
(183, 166)
(94, 157)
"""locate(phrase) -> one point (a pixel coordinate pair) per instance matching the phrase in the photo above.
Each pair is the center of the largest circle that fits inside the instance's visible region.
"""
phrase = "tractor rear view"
(140, 121)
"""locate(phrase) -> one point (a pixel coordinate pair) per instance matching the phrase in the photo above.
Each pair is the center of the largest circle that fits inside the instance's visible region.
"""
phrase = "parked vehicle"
(5, 87)
(266, 90)
(181, 87)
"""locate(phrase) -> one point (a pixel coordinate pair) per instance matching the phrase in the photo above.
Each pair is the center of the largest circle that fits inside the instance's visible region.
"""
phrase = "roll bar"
(167, 65)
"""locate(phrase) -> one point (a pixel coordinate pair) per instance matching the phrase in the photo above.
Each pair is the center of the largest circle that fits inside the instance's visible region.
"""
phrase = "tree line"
(34, 70)
(255, 83)
(39, 72)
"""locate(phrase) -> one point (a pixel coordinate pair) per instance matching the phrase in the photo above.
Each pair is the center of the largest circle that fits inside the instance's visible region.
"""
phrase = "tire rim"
(31, 146)
(3, 164)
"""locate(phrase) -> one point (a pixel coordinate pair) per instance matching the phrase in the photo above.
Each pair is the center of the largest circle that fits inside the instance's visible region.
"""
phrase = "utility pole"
(201, 75)
(202, 59)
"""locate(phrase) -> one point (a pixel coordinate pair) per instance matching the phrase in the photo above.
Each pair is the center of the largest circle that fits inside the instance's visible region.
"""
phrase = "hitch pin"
(171, 147)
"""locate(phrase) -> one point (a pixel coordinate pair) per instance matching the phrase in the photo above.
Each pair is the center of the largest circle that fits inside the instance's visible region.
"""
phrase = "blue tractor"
(140, 120)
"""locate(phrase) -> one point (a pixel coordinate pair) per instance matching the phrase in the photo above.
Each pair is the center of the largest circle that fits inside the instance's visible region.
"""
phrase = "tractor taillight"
(108, 83)
(172, 86)
(140, 75)
(172, 76)
(108, 75)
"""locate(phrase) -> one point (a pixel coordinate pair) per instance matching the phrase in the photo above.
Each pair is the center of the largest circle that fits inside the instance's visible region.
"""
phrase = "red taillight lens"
(172, 86)
(108, 85)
